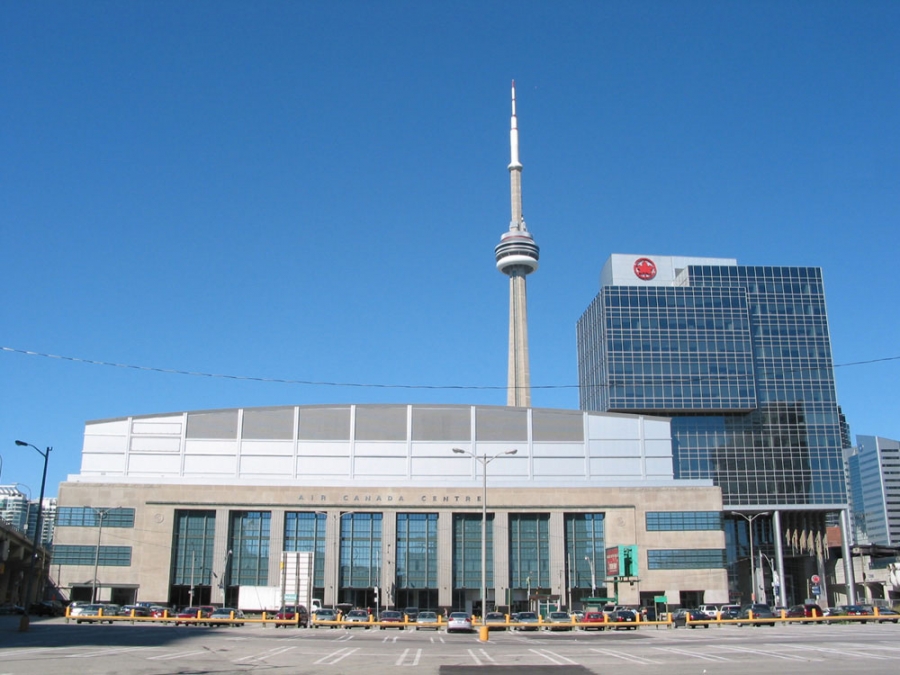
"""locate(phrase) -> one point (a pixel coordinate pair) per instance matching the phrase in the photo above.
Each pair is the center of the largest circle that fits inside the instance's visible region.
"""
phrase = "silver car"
(459, 622)
(356, 617)
(427, 620)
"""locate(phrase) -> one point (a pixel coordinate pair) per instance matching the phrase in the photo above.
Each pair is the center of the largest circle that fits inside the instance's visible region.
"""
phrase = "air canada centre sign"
(367, 498)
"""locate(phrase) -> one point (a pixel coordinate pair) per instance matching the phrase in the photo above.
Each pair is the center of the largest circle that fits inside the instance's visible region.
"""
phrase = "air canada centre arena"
(188, 507)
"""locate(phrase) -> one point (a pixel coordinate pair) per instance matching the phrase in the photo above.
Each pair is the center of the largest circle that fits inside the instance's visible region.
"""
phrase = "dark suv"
(296, 613)
(759, 611)
(808, 611)
(412, 613)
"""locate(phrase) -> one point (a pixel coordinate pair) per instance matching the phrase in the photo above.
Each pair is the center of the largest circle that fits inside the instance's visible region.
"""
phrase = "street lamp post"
(38, 524)
(776, 579)
(485, 460)
(101, 514)
(593, 576)
(750, 519)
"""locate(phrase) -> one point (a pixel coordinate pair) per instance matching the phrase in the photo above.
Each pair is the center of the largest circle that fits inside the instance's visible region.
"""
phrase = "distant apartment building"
(873, 468)
(21, 512)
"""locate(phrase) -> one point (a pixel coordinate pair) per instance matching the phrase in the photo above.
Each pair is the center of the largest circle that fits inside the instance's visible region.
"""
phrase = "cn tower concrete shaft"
(518, 391)
(517, 257)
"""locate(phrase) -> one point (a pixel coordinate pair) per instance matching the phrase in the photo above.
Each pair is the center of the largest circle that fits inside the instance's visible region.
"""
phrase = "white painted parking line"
(685, 652)
(178, 655)
(484, 655)
(765, 652)
(627, 657)
(335, 657)
(415, 661)
(266, 654)
(854, 654)
(105, 652)
(390, 638)
(487, 656)
(18, 652)
(438, 638)
(553, 657)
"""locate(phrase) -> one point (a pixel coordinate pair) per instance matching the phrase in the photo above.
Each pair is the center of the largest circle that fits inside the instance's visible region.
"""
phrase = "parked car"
(226, 616)
(527, 621)
(134, 611)
(96, 612)
(559, 621)
(495, 621)
(594, 621)
(622, 618)
(855, 610)
(459, 622)
(427, 620)
(392, 619)
(325, 616)
(888, 614)
(47, 608)
(9, 608)
(759, 611)
(727, 612)
(411, 613)
(356, 617)
(709, 611)
(805, 611)
(295, 613)
(191, 615)
(833, 614)
(690, 617)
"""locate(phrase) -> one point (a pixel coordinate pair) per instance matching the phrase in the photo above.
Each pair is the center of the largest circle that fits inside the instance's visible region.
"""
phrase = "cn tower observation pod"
(517, 249)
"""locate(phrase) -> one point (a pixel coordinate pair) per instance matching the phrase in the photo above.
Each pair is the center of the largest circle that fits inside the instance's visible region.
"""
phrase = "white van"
(710, 611)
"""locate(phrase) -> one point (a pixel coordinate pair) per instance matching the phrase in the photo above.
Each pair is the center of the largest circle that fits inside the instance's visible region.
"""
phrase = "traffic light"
(376, 596)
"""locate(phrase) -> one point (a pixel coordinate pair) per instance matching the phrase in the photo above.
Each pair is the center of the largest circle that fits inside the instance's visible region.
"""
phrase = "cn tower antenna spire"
(516, 222)
(517, 257)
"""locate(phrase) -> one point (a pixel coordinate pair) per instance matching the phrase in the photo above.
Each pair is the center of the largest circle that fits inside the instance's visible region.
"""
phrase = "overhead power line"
(322, 383)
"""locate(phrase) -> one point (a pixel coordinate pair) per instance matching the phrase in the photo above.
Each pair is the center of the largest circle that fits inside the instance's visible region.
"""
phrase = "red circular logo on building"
(644, 268)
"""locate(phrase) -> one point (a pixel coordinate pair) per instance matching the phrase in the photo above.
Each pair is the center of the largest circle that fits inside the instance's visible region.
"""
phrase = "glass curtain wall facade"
(305, 531)
(585, 555)
(740, 357)
(467, 555)
(416, 581)
(529, 551)
(192, 557)
(248, 540)
(359, 567)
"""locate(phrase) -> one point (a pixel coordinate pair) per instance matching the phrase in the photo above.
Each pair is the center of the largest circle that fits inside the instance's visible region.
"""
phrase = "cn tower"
(517, 257)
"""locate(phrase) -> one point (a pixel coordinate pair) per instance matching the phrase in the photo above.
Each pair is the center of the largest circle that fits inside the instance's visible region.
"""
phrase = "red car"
(593, 621)
(392, 618)
(196, 613)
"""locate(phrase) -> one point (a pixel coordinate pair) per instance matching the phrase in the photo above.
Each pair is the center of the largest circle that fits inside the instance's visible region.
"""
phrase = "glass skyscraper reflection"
(740, 358)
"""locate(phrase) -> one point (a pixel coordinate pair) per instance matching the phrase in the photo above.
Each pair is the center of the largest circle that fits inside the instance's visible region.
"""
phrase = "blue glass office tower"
(740, 358)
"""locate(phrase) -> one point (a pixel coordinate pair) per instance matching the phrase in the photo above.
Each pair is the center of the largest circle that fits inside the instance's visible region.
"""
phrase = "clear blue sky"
(312, 191)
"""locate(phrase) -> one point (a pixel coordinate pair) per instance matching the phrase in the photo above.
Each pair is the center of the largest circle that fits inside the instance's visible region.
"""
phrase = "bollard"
(483, 633)
(24, 622)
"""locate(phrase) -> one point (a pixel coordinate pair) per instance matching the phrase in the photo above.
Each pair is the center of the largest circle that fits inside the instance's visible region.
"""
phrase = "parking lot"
(53, 646)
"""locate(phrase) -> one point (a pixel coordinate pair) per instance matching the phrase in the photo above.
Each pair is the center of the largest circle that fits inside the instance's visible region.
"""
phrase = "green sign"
(660, 598)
